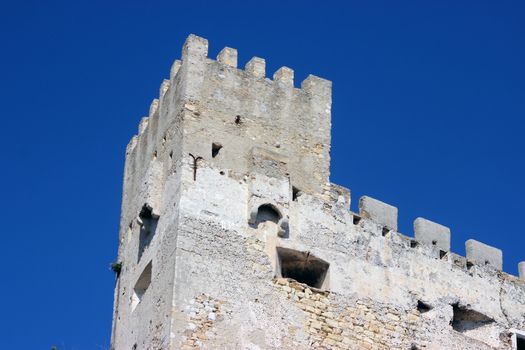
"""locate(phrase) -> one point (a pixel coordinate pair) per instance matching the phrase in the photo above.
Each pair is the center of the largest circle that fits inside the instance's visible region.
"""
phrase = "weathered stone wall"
(221, 143)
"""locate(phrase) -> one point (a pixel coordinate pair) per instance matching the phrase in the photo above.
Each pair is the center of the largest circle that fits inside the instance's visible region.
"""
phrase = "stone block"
(175, 68)
(284, 76)
(521, 269)
(228, 56)
(483, 254)
(194, 46)
(317, 86)
(382, 213)
(256, 67)
(431, 233)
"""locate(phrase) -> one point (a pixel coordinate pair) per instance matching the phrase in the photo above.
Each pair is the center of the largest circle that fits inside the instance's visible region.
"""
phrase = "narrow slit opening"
(295, 193)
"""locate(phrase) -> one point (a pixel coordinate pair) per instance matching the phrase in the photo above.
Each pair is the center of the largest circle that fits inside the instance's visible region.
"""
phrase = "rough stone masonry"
(233, 237)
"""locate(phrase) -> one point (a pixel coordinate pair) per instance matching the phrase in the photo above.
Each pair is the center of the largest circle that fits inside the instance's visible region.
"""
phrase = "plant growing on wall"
(116, 267)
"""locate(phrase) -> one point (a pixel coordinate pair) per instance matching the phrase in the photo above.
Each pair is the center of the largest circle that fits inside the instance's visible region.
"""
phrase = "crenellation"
(153, 108)
(375, 210)
(194, 47)
(175, 69)
(163, 88)
(232, 171)
(483, 254)
(431, 233)
(228, 57)
(256, 67)
(143, 124)
(284, 76)
(317, 86)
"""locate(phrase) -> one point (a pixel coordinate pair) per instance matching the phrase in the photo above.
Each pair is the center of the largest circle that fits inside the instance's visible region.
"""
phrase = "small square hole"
(295, 193)
(215, 148)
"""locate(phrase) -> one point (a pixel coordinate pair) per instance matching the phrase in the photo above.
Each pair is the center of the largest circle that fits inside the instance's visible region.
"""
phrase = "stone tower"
(233, 237)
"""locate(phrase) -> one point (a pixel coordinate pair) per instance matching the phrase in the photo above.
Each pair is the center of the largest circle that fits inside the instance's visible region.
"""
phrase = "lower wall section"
(332, 325)
(228, 295)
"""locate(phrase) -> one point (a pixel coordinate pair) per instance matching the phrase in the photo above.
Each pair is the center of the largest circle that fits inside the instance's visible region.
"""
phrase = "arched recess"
(267, 212)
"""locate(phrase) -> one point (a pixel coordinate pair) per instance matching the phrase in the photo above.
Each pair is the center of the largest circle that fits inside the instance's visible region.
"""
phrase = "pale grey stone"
(212, 272)
(483, 254)
(379, 212)
(431, 233)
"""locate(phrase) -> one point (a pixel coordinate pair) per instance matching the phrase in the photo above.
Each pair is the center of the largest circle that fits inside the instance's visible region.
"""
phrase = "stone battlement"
(233, 237)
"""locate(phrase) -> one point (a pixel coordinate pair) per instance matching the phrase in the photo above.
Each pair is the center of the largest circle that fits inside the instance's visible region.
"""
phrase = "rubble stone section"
(361, 325)
(242, 241)
(202, 312)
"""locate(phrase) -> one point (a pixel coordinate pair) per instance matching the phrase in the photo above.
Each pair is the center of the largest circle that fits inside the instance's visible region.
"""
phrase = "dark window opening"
(357, 219)
(442, 254)
(148, 226)
(469, 265)
(434, 242)
(141, 286)
(413, 244)
(520, 342)
(267, 212)
(385, 231)
(295, 193)
(467, 319)
(238, 119)
(215, 148)
(302, 267)
(423, 307)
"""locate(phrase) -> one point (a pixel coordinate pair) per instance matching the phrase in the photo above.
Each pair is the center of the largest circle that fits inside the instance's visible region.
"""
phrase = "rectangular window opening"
(520, 342)
(465, 319)
(518, 339)
(141, 286)
(303, 267)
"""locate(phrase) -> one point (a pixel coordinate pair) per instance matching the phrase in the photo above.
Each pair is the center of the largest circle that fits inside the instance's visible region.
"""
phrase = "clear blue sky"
(428, 115)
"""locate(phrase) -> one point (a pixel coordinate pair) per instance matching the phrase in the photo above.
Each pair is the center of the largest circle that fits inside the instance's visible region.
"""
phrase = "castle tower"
(232, 236)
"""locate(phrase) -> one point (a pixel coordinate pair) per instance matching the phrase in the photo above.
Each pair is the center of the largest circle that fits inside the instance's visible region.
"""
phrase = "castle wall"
(371, 300)
(219, 144)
